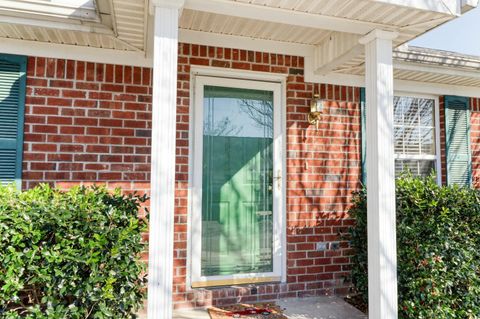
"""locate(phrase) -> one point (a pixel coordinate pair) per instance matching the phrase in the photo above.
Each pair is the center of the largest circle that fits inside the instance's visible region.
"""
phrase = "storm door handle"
(278, 179)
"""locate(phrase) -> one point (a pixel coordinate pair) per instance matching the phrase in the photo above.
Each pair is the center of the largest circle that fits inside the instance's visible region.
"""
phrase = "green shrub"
(71, 254)
(438, 243)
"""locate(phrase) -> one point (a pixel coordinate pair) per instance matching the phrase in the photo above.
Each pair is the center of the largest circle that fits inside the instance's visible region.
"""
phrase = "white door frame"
(196, 158)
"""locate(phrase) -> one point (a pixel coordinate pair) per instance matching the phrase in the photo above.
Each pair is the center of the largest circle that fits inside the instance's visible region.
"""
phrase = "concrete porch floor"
(328, 307)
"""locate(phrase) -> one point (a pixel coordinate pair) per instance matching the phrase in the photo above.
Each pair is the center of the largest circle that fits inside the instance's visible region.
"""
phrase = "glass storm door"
(238, 181)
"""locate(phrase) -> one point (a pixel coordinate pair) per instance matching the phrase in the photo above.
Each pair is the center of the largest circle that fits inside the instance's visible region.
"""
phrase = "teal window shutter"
(364, 135)
(12, 109)
(457, 138)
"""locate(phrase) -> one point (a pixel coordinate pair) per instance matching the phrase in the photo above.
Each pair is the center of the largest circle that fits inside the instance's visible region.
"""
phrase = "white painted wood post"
(382, 246)
(164, 104)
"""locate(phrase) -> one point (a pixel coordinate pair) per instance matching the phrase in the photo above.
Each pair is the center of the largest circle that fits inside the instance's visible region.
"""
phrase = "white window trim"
(247, 79)
(438, 156)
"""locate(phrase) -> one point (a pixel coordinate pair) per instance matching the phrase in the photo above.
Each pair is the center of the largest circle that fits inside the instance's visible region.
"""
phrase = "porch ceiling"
(123, 24)
(247, 17)
(329, 29)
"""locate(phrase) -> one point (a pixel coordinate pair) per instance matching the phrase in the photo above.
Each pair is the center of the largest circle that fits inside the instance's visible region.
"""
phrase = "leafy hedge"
(71, 254)
(438, 243)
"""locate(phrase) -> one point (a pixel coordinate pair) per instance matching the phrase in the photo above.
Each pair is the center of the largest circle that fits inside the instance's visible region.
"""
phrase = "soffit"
(110, 24)
(409, 22)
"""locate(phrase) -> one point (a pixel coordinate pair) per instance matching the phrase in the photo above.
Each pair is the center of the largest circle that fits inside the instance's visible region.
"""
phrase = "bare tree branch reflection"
(259, 111)
(224, 127)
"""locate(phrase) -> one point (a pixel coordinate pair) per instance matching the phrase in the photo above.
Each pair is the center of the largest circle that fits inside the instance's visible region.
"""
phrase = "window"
(416, 139)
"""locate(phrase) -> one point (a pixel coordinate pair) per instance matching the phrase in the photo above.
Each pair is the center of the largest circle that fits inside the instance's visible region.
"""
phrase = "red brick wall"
(86, 123)
(89, 123)
(475, 140)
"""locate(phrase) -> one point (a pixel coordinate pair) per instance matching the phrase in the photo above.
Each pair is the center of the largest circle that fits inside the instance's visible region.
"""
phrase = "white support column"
(164, 104)
(382, 246)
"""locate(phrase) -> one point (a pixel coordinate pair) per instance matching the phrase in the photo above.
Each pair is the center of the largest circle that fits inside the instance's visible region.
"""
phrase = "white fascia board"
(448, 7)
(244, 43)
(443, 70)
(279, 15)
(436, 57)
(436, 89)
(73, 52)
(399, 85)
(68, 25)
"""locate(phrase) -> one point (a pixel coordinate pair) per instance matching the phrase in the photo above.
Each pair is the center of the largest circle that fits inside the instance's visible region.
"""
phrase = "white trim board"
(199, 70)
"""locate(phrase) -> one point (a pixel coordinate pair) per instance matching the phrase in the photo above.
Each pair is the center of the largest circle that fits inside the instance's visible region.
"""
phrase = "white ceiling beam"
(278, 15)
(74, 52)
(244, 43)
(336, 50)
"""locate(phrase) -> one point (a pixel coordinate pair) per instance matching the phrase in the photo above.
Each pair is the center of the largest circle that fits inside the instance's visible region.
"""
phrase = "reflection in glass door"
(237, 181)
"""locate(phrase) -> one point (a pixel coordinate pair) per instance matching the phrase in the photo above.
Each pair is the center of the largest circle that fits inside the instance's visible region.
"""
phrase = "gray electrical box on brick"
(321, 246)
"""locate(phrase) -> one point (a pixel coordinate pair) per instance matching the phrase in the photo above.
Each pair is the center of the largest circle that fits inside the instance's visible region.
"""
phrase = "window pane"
(411, 139)
(237, 201)
(398, 110)
(416, 167)
(410, 114)
(428, 141)
(426, 108)
(399, 131)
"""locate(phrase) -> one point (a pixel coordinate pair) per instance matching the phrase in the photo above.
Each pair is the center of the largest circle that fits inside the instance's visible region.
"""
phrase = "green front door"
(237, 174)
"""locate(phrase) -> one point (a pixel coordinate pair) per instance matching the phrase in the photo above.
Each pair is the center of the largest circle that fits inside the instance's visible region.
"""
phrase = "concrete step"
(327, 307)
